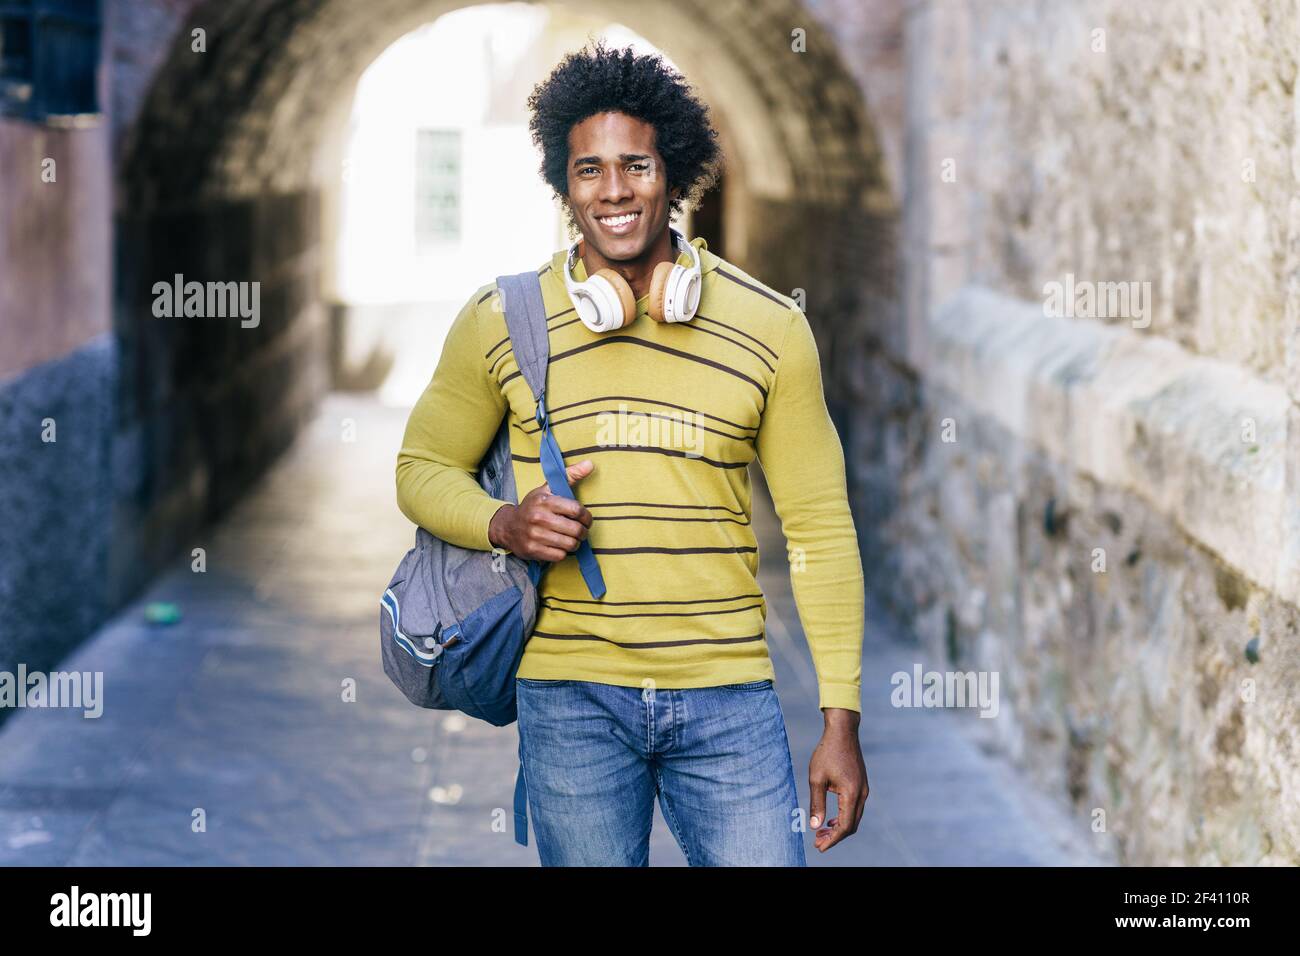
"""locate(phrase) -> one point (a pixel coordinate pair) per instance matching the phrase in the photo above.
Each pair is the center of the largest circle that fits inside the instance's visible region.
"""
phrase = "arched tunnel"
(231, 165)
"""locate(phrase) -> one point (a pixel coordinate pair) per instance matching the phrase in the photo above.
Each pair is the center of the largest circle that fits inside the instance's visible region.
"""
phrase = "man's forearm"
(446, 502)
(803, 463)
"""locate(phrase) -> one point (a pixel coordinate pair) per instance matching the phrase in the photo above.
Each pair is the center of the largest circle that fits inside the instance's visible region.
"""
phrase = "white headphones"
(605, 301)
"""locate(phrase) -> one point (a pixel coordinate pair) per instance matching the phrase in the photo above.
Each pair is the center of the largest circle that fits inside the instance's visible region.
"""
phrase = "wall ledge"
(1136, 412)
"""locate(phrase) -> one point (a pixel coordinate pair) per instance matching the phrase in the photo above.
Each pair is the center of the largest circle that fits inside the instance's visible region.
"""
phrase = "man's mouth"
(619, 225)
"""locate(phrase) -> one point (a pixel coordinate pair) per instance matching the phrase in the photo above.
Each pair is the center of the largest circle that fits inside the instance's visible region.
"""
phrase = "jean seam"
(785, 739)
(673, 697)
(672, 817)
(649, 722)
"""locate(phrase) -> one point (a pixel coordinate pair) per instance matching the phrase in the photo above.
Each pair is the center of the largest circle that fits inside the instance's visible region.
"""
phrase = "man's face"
(618, 184)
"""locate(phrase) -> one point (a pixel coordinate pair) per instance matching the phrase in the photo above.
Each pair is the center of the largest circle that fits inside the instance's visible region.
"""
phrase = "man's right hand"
(543, 526)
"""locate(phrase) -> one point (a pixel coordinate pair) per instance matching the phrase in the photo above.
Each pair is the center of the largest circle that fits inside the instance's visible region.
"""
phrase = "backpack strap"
(521, 802)
(525, 312)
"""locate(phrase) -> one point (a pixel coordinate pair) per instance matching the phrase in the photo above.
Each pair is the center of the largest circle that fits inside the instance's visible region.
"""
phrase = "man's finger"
(579, 471)
(544, 537)
(860, 808)
(565, 526)
(816, 802)
(842, 824)
(560, 505)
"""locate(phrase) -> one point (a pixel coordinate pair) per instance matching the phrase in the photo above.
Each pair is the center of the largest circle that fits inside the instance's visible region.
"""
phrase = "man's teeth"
(619, 220)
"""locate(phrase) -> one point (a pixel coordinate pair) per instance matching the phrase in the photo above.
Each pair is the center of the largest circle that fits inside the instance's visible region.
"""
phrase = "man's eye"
(639, 166)
(584, 169)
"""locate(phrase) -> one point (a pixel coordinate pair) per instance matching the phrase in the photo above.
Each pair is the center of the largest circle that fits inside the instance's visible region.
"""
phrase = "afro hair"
(597, 79)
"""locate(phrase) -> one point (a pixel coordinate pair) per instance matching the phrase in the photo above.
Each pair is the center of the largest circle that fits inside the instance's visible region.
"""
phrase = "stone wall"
(55, 419)
(56, 363)
(161, 423)
(1105, 507)
(204, 404)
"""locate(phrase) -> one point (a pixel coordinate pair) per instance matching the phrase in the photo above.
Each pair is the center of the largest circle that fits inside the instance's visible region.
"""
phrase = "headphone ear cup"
(623, 292)
(658, 289)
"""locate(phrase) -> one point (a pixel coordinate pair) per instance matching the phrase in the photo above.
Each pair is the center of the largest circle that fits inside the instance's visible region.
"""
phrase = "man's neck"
(637, 272)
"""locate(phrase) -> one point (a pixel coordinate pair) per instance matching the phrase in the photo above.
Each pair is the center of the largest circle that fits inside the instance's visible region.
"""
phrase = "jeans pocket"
(539, 682)
(763, 684)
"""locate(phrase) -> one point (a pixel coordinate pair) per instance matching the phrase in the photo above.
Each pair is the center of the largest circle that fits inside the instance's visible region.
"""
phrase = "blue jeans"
(596, 755)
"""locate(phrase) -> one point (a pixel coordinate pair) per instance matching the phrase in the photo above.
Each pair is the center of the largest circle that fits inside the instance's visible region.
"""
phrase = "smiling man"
(664, 686)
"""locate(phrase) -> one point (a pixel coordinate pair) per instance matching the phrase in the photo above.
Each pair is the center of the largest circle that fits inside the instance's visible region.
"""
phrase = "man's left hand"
(837, 766)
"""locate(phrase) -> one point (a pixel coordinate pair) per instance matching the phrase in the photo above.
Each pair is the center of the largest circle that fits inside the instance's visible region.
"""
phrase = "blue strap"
(554, 469)
(535, 569)
(521, 807)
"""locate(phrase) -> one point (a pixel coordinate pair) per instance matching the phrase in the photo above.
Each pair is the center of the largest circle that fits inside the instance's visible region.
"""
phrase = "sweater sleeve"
(449, 430)
(803, 463)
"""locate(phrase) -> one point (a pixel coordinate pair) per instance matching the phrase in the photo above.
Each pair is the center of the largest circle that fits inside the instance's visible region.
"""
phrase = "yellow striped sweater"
(671, 415)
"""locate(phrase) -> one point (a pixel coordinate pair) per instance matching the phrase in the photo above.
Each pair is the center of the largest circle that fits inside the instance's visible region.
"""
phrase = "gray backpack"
(453, 621)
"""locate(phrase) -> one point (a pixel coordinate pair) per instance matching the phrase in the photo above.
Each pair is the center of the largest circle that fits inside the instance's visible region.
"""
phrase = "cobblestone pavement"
(239, 716)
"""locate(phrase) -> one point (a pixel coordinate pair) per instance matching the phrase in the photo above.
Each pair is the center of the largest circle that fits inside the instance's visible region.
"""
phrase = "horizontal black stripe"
(730, 610)
(653, 550)
(672, 452)
(738, 597)
(567, 324)
(649, 401)
(705, 318)
(753, 288)
(489, 352)
(610, 340)
(653, 504)
(712, 518)
(648, 644)
(739, 345)
(631, 411)
(715, 519)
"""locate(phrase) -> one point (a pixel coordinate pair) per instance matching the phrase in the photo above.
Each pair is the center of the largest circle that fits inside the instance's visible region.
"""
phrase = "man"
(664, 685)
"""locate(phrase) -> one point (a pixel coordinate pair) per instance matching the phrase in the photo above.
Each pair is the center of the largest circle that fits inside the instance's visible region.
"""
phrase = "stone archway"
(221, 173)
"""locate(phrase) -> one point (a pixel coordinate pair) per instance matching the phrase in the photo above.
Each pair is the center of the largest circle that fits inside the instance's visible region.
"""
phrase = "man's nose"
(615, 186)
